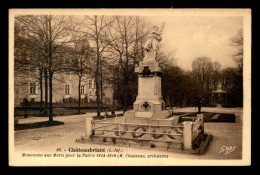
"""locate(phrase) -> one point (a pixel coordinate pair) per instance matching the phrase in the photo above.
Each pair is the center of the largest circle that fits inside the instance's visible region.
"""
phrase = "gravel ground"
(48, 139)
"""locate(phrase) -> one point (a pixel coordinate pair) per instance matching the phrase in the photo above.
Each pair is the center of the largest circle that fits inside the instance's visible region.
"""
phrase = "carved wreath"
(138, 135)
(146, 71)
(156, 136)
(146, 106)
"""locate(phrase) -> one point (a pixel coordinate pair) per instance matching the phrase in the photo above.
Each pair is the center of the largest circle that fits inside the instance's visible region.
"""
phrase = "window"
(90, 83)
(82, 90)
(32, 88)
(67, 89)
(90, 93)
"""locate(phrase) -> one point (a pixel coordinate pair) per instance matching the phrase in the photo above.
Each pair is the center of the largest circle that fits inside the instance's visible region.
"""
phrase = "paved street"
(48, 139)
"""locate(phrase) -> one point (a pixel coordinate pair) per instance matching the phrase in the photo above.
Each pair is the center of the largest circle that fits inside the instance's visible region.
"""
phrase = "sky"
(198, 36)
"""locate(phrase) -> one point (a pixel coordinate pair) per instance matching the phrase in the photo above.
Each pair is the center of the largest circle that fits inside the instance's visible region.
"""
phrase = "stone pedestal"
(187, 135)
(89, 127)
(149, 102)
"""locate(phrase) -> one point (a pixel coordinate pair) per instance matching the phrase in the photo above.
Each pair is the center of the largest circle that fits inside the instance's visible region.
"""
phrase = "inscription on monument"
(146, 63)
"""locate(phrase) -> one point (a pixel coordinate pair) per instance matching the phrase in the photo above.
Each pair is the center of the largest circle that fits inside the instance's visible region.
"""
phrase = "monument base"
(154, 115)
(149, 101)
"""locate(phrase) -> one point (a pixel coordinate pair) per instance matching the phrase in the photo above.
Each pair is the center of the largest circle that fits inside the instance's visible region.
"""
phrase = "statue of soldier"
(151, 45)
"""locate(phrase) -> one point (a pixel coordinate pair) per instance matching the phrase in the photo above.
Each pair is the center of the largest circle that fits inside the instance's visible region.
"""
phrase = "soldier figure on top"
(151, 45)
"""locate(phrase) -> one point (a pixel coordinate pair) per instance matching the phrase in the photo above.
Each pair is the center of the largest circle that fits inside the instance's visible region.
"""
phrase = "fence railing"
(118, 129)
(181, 134)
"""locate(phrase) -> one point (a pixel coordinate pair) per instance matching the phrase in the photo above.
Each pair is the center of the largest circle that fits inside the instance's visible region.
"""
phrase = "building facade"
(66, 62)
(65, 88)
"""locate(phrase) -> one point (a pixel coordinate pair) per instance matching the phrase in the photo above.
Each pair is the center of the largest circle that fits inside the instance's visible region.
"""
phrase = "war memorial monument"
(149, 124)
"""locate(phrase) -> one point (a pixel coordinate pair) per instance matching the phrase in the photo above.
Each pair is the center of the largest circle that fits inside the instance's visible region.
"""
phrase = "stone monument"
(149, 124)
(149, 102)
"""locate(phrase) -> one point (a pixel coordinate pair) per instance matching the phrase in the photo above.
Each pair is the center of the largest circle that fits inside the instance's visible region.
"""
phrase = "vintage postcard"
(129, 87)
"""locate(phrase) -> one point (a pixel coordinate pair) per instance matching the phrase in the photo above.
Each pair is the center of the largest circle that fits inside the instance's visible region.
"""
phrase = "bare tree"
(50, 33)
(28, 57)
(216, 77)
(80, 66)
(238, 42)
(202, 68)
(21, 45)
(125, 39)
(95, 28)
(165, 59)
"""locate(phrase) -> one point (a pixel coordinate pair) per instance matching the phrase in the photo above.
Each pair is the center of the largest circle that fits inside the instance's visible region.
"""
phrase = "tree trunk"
(79, 94)
(41, 90)
(101, 89)
(98, 97)
(199, 107)
(46, 91)
(50, 92)
(97, 80)
(125, 99)
(50, 74)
